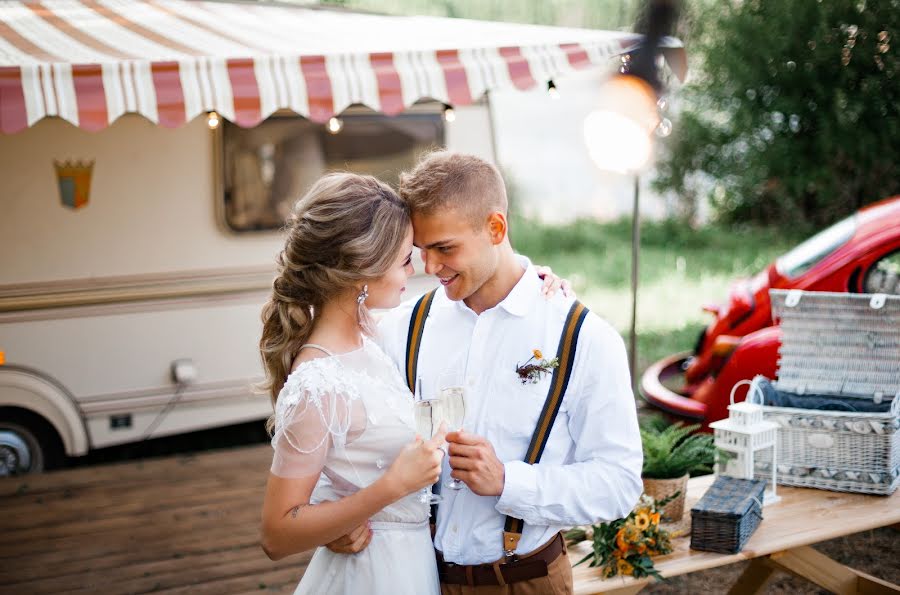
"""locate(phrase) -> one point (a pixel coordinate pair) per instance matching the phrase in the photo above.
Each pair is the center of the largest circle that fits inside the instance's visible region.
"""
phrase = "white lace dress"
(347, 416)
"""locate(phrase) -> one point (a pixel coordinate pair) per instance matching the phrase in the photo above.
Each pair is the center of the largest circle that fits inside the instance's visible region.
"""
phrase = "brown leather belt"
(525, 568)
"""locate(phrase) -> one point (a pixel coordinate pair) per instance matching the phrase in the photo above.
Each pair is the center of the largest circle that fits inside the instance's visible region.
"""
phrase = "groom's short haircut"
(450, 180)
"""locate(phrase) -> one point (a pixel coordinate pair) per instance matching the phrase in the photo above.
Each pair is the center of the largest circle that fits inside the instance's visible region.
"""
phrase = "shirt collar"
(523, 294)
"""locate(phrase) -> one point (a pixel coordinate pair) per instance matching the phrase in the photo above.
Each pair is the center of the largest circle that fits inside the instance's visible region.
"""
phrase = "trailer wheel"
(28, 444)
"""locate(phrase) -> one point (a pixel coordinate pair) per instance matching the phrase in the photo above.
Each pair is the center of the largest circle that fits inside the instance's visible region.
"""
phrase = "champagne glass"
(452, 391)
(428, 420)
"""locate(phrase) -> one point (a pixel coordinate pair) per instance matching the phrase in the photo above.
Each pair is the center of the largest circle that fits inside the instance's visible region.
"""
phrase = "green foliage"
(793, 112)
(670, 451)
(601, 252)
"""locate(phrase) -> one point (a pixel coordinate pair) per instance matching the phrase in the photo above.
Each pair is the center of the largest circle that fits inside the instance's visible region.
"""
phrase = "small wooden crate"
(727, 515)
(845, 347)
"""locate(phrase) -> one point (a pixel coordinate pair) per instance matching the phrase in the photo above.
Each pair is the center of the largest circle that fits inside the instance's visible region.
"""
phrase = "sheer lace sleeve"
(317, 411)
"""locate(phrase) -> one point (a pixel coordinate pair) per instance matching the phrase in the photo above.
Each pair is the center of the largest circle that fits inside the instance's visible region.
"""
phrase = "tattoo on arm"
(295, 510)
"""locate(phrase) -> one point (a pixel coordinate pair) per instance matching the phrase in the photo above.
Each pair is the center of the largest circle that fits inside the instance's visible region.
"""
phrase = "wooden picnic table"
(802, 517)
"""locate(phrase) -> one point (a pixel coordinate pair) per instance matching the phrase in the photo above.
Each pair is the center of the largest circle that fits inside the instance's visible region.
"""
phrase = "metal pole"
(635, 248)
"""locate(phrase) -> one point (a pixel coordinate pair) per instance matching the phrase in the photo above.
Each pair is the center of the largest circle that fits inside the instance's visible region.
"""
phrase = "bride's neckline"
(331, 353)
(328, 353)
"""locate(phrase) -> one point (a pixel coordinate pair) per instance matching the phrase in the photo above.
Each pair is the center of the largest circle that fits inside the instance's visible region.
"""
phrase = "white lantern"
(739, 437)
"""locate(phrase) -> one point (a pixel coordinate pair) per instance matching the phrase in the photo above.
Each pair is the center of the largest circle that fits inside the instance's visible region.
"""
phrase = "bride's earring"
(360, 301)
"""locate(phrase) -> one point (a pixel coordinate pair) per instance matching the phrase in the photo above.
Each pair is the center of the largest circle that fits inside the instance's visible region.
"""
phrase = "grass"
(680, 269)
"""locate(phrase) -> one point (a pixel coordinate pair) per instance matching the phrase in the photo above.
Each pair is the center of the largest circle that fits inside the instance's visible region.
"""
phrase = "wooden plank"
(817, 568)
(867, 584)
(240, 563)
(753, 579)
(162, 529)
(260, 583)
(213, 495)
(160, 470)
(64, 563)
(183, 517)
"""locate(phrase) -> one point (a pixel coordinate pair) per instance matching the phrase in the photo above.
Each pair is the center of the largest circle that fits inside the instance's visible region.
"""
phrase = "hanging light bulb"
(449, 114)
(617, 133)
(552, 91)
(334, 125)
(212, 120)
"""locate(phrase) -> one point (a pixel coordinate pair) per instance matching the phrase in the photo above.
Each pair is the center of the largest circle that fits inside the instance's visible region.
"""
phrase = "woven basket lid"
(839, 344)
(730, 497)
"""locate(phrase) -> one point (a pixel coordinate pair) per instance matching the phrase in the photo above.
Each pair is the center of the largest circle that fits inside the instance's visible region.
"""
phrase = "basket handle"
(757, 512)
(895, 405)
(753, 390)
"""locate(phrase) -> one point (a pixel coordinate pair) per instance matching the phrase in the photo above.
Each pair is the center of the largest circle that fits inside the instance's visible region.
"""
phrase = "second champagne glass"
(452, 391)
(428, 419)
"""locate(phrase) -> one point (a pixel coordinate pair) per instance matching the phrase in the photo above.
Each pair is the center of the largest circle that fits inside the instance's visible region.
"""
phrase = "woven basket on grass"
(663, 488)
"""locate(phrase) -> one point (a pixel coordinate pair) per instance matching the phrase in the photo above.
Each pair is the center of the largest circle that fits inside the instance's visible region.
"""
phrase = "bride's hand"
(418, 465)
(552, 283)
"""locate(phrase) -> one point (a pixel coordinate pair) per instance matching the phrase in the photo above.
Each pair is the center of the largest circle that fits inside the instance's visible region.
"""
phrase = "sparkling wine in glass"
(428, 420)
(453, 400)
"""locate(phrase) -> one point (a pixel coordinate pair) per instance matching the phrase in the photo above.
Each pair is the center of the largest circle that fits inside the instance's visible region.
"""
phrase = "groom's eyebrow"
(437, 244)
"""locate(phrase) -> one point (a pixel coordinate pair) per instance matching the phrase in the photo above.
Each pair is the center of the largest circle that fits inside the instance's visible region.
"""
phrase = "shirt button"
(471, 381)
(453, 529)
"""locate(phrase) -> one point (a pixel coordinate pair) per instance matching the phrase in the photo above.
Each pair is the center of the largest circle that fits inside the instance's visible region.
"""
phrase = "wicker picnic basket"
(727, 515)
(843, 347)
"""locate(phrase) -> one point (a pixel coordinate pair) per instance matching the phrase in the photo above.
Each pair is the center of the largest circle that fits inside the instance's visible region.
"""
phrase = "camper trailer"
(150, 152)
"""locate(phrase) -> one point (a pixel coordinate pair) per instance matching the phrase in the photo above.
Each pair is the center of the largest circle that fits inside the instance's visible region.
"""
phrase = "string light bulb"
(552, 91)
(334, 125)
(449, 114)
(212, 120)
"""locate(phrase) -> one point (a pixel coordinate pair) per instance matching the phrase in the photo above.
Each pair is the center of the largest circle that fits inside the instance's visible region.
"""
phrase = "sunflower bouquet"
(626, 546)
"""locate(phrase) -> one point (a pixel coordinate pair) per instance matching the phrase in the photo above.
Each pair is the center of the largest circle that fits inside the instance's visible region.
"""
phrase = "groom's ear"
(497, 227)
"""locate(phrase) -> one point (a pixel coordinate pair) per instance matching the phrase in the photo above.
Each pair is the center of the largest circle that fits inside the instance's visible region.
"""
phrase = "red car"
(859, 254)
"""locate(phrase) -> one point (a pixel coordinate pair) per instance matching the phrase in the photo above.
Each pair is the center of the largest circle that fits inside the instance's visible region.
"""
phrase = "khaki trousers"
(557, 582)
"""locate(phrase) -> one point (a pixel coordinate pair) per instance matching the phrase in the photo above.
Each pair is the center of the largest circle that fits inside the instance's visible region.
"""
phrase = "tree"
(795, 111)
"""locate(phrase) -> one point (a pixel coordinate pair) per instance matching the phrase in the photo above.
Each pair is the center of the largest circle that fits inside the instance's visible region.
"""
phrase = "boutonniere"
(532, 370)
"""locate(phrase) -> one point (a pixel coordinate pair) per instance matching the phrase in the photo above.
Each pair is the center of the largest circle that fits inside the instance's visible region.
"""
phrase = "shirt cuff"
(519, 489)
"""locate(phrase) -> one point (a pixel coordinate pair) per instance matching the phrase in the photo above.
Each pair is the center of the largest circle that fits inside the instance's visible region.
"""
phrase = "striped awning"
(91, 61)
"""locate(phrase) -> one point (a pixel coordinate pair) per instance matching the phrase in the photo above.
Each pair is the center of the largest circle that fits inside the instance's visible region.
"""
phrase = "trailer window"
(265, 169)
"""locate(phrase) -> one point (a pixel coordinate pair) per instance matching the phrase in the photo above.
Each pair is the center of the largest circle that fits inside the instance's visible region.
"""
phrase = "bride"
(342, 409)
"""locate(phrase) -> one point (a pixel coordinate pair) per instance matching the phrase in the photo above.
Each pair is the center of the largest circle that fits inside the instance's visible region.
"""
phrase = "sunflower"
(624, 567)
(642, 521)
(620, 540)
(537, 354)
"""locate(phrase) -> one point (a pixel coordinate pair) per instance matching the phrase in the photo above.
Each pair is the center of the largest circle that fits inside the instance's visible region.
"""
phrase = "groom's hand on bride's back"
(473, 461)
(354, 542)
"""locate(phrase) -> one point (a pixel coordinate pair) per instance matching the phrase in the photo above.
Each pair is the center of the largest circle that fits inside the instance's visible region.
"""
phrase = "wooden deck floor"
(186, 524)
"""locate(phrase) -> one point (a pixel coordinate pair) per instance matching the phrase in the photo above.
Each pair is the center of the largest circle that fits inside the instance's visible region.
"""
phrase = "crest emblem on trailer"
(74, 179)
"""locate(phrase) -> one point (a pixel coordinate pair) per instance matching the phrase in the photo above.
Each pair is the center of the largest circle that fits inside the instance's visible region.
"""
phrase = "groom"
(502, 532)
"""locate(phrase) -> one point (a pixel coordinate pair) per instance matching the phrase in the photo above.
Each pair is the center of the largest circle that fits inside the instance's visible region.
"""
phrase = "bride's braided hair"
(346, 231)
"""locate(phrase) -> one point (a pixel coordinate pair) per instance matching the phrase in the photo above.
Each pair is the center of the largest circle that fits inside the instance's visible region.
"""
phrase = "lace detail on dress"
(319, 407)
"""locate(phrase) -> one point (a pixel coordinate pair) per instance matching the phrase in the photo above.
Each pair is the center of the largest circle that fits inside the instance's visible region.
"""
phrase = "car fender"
(27, 389)
(757, 353)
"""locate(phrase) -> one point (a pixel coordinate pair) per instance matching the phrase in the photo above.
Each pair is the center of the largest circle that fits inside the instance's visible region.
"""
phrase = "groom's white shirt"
(591, 466)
